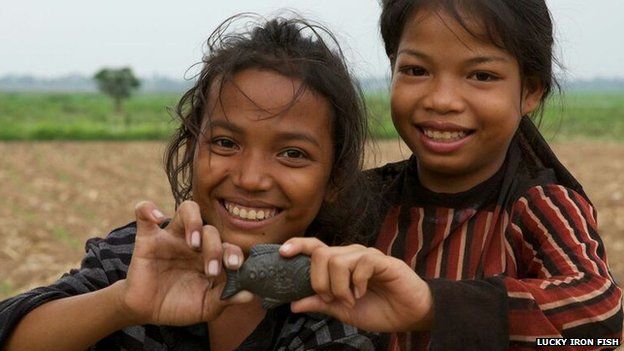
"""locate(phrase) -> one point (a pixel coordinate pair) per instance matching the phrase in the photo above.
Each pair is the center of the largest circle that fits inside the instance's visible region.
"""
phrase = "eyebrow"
(472, 61)
(287, 136)
(225, 125)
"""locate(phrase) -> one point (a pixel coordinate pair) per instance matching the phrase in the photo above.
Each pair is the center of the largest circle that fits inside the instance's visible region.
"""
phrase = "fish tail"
(232, 285)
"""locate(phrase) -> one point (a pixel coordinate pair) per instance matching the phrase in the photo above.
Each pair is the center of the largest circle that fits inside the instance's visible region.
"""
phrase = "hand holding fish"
(277, 280)
(171, 276)
(363, 287)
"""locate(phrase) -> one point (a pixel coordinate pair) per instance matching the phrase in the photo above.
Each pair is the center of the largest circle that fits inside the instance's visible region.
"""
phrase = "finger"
(374, 264)
(300, 245)
(340, 279)
(319, 273)
(340, 266)
(148, 217)
(187, 222)
(214, 305)
(211, 250)
(243, 296)
(232, 256)
(362, 272)
(316, 304)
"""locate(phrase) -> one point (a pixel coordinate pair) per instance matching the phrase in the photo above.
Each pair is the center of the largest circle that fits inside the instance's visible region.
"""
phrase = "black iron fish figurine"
(266, 273)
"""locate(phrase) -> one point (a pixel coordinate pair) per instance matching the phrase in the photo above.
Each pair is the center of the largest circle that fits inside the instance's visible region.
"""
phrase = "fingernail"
(233, 261)
(356, 293)
(326, 298)
(157, 214)
(213, 268)
(195, 239)
(285, 248)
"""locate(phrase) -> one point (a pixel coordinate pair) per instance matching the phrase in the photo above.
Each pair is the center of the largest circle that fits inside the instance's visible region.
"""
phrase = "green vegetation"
(585, 115)
(84, 116)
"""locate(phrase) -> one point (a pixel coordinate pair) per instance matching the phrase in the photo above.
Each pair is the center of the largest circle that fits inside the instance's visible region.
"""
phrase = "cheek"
(404, 101)
(307, 192)
(398, 104)
(499, 114)
(207, 172)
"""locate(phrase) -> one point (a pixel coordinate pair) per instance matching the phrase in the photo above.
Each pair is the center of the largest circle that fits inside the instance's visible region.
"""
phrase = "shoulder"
(554, 194)
(116, 248)
(554, 205)
(123, 235)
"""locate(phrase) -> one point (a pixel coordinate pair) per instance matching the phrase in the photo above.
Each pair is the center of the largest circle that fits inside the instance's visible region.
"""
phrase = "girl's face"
(261, 171)
(456, 101)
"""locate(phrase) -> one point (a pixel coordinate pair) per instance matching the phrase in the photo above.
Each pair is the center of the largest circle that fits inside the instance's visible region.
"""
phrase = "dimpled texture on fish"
(266, 273)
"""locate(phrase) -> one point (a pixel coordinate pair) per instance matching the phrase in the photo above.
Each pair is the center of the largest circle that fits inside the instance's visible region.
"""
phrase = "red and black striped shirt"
(515, 258)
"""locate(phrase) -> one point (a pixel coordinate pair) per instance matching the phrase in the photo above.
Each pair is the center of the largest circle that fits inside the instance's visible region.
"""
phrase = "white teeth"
(253, 214)
(444, 136)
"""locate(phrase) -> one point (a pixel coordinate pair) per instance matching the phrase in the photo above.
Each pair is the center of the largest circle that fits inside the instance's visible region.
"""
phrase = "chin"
(441, 165)
(245, 240)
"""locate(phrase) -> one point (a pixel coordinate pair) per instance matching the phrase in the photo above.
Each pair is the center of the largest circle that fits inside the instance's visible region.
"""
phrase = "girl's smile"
(262, 165)
(253, 216)
(442, 137)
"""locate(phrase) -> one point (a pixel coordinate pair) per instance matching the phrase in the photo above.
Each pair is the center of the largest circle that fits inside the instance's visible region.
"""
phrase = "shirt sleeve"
(562, 287)
(101, 266)
(565, 287)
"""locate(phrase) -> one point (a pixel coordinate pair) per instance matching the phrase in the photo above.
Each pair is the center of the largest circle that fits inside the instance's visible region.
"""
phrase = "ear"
(531, 95)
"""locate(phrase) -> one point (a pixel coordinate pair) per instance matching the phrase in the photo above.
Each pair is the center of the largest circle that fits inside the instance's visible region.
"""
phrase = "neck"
(234, 325)
(452, 183)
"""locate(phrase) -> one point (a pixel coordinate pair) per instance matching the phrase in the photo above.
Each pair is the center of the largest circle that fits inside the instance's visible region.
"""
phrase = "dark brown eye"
(484, 76)
(414, 71)
(224, 143)
(293, 153)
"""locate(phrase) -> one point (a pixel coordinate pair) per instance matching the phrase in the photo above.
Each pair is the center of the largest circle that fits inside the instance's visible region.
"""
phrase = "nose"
(443, 96)
(252, 172)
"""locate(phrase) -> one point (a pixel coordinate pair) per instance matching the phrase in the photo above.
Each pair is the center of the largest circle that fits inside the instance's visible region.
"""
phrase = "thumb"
(215, 305)
(148, 217)
(312, 303)
(243, 296)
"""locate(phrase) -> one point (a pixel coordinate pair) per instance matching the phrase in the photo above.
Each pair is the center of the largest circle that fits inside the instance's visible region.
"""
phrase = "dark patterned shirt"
(107, 261)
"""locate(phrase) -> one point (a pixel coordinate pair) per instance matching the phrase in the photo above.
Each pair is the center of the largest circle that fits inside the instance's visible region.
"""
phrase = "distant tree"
(118, 84)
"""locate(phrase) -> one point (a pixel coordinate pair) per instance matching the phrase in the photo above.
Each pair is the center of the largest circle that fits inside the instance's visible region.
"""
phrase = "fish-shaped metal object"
(266, 273)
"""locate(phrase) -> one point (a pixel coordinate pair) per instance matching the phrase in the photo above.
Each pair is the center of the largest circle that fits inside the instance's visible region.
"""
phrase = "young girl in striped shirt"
(488, 242)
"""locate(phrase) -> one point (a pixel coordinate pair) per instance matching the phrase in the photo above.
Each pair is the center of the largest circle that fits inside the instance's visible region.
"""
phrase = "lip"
(242, 224)
(443, 126)
(442, 147)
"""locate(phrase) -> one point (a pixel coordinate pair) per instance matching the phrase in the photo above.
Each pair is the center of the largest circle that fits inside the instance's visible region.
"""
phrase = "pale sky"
(54, 38)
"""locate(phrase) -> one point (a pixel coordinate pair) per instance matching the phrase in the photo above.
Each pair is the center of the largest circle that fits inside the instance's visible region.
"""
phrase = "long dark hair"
(299, 49)
(521, 27)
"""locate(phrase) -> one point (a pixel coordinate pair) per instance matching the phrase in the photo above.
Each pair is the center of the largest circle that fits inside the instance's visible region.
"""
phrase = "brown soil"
(55, 195)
